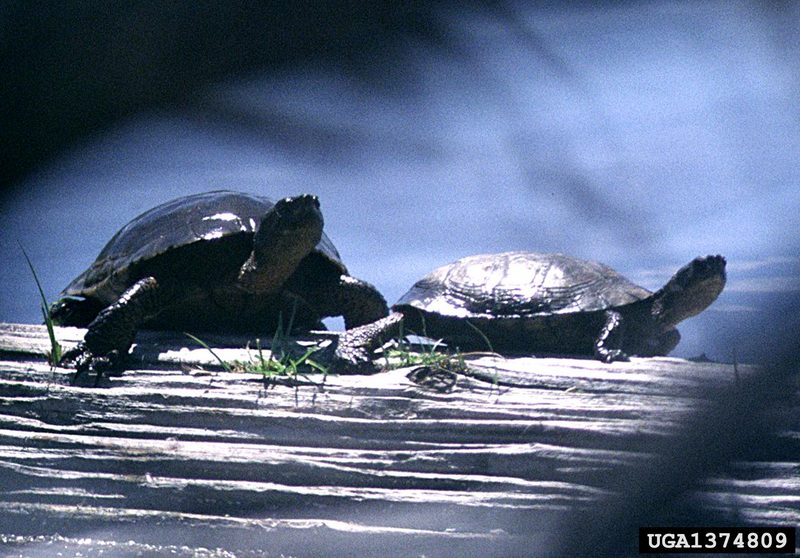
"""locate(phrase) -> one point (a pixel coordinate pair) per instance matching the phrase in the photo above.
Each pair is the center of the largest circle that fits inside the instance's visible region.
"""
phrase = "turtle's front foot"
(608, 337)
(353, 350)
(87, 363)
(351, 357)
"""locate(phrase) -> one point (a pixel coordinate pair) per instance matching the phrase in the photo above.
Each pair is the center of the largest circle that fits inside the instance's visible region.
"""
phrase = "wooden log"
(189, 457)
(151, 347)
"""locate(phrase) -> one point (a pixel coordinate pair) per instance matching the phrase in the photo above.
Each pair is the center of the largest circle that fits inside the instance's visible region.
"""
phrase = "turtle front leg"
(352, 353)
(609, 338)
(111, 333)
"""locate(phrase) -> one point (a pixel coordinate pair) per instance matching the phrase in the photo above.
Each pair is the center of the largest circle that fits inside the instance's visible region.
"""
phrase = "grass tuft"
(286, 364)
(286, 359)
(401, 355)
(54, 356)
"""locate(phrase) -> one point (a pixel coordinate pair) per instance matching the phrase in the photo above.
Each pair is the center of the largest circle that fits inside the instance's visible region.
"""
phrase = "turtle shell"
(197, 234)
(515, 285)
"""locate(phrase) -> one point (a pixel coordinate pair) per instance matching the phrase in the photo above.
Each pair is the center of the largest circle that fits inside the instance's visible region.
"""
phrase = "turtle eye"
(309, 198)
(297, 205)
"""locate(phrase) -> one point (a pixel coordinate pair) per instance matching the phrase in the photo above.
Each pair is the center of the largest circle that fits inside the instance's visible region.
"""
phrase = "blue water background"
(640, 135)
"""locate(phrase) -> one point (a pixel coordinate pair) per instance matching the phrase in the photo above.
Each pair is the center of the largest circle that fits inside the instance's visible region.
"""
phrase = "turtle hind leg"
(606, 345)
(357, 301)
(111, 333)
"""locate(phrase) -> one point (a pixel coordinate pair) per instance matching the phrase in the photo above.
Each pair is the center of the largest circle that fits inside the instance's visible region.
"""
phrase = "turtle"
(550, 304)
(218, 262)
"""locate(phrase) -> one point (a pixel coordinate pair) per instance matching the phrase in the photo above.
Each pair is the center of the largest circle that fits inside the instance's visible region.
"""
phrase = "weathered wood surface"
(177, 459)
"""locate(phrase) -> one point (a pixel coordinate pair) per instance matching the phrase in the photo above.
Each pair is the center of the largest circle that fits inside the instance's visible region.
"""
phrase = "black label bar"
(710, 540)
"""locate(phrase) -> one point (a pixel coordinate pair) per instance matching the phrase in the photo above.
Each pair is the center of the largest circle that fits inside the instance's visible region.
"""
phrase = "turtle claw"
(348, 359)
(86, 363)
(353, 349)
(615, 355)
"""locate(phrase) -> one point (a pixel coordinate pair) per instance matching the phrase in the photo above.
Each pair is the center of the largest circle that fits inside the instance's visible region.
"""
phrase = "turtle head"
(71, 310)
(289, 231)
(690, 291)
(291, 214)
(292, 226)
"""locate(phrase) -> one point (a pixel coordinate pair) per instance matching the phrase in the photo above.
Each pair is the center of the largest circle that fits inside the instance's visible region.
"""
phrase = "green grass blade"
(482, 334)
(55, 346)
(35, 276)
(222, 363)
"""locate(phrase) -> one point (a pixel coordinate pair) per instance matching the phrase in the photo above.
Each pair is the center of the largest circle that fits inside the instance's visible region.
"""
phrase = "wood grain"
(176, 456)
